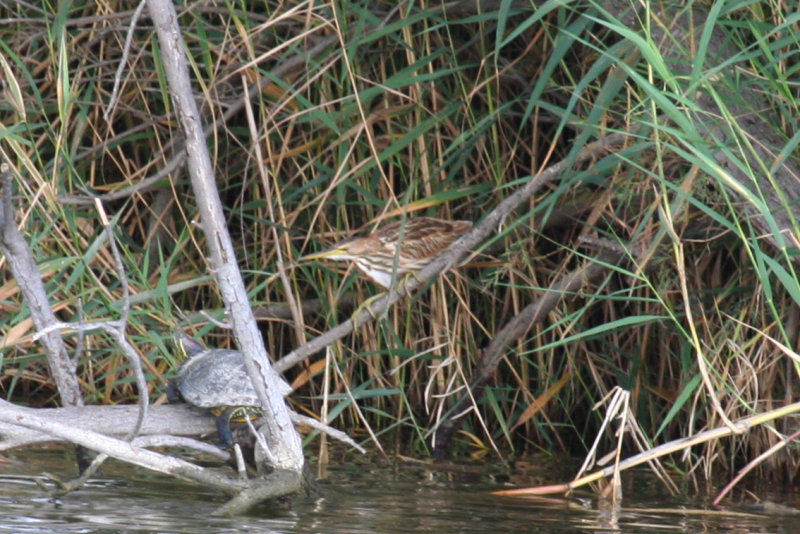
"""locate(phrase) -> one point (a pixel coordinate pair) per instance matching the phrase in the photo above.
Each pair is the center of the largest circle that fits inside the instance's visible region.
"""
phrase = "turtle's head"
(186, 346)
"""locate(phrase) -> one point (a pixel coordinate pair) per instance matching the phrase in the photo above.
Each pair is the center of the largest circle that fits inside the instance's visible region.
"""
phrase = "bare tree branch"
(534, 313)
(26, 273)
(455, 254)
(283, 440)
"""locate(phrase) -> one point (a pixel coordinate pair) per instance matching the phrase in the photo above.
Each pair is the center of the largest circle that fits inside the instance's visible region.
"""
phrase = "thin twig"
(124, 59)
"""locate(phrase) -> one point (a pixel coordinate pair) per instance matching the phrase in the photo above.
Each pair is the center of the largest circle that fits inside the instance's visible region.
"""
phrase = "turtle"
(215, 379)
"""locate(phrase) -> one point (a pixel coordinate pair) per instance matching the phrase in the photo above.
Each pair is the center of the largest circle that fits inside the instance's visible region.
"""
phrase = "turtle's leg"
(224, 428)
(173, 395)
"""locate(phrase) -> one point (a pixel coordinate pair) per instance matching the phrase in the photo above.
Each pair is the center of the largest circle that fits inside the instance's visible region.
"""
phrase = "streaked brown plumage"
(421, 239)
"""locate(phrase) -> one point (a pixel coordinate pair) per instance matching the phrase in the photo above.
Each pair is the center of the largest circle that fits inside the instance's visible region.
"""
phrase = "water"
(381, 497)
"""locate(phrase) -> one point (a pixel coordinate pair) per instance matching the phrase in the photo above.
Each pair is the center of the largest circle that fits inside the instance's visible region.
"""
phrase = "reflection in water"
(366, 499)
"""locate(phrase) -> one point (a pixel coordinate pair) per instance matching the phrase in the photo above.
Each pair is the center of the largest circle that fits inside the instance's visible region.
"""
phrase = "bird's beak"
(335, 251)
(323, 254)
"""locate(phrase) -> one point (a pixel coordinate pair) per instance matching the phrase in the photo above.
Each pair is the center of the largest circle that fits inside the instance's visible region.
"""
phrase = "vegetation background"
(325, 119)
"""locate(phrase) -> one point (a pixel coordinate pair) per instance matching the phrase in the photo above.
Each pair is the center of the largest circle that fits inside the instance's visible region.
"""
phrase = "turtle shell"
(215, 378)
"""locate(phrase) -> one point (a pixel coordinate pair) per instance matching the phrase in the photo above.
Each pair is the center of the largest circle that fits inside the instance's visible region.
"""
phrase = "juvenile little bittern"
(420, 239)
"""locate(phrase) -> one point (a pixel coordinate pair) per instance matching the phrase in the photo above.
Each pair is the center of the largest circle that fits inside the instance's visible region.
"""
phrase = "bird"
(420, 239)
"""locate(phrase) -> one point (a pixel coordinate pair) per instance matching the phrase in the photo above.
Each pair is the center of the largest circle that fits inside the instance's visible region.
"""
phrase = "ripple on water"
(355, 500)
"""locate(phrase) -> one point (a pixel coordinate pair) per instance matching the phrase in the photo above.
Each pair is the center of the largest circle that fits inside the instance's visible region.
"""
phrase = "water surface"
(358, 498)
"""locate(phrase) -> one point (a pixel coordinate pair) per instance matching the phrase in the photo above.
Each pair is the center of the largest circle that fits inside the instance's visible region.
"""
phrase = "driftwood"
(114, 421)
(123, 450)
(169, 420)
